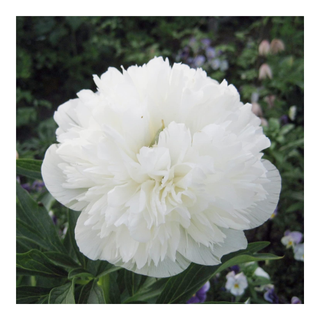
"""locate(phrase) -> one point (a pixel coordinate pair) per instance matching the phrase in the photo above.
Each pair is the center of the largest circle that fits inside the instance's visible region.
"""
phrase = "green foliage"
(56, 57)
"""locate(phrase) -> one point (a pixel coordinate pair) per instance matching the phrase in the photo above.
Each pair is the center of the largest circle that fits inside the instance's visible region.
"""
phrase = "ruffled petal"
(55, 179)
(263, 209)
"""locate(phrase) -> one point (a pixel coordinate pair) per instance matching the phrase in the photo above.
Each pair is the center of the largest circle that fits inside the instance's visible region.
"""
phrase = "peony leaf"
(29, 168)
(26, 294)
(61, 259)
(148, 291)
(181, 287)
(91, 293)
(35, 224)
(79, 272)
(110, 288)
(69, 240)
(34, 262)
(256, 246)
(133, 281)
(63, 294)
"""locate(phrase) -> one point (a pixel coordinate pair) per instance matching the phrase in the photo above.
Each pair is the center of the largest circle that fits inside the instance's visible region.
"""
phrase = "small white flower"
(236, 283)
(292, 112)
(298, 251)
(164, 164)
(291, 239)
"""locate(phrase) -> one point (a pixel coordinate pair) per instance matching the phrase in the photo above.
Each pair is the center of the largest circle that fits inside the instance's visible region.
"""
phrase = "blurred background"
(262, 56)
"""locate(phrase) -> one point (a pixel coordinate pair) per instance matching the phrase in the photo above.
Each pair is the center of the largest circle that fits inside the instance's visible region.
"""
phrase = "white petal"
(54, 180)
(264, 209)
(165, 268)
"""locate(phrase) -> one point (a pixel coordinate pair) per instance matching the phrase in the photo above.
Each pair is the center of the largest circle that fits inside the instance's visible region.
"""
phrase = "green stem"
(104, 283)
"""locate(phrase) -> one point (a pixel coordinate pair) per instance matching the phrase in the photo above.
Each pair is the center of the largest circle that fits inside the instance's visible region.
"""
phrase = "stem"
(104, 283)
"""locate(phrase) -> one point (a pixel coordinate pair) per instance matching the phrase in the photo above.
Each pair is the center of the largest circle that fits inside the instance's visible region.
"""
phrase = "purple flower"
(224, 65)
(275, 212)
(235, 268)
(210, 53)
(270, 296)
(37, 185)
(199, 61)
(284, 119)
(290, 239)
(206, 42)
(192, 41)
(201, 295)
(215, 64)
(26, 186)
(295, 300)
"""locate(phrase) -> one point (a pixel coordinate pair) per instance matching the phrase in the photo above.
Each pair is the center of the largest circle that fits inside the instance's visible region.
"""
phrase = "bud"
(265, 72)
(17, 155)
(264, 48)
(276, 46)
(292, 113)
(264, 122)
(256, 109)
(270, 100)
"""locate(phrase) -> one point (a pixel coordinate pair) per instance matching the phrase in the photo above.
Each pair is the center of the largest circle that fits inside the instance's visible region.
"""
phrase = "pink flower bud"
(264, 47)
(265, 72)
(270, 100)
(264, 122)
(276, 46)
(256, 109)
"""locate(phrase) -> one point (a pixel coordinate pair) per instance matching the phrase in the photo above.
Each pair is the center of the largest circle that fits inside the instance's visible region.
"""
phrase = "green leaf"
(148, 291)
(79, 273)
(61, 259)
(181, 287)
(256, 246)
(34, 262)
(293, 144)
(100, 268)
(69, 242)
(109, 286)
(221, 302)
(63, 294)
(133, 281)
(26, 294)
(40, 225)
(29, 168)
(29, 237)
(47, 200)
(91, 293)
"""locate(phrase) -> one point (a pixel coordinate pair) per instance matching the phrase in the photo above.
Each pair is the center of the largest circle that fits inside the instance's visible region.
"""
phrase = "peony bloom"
(236, 283)
(164, 165)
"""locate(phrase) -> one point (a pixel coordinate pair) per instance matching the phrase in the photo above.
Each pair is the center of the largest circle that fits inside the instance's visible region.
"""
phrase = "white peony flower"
(236, 283)
(164, 165)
